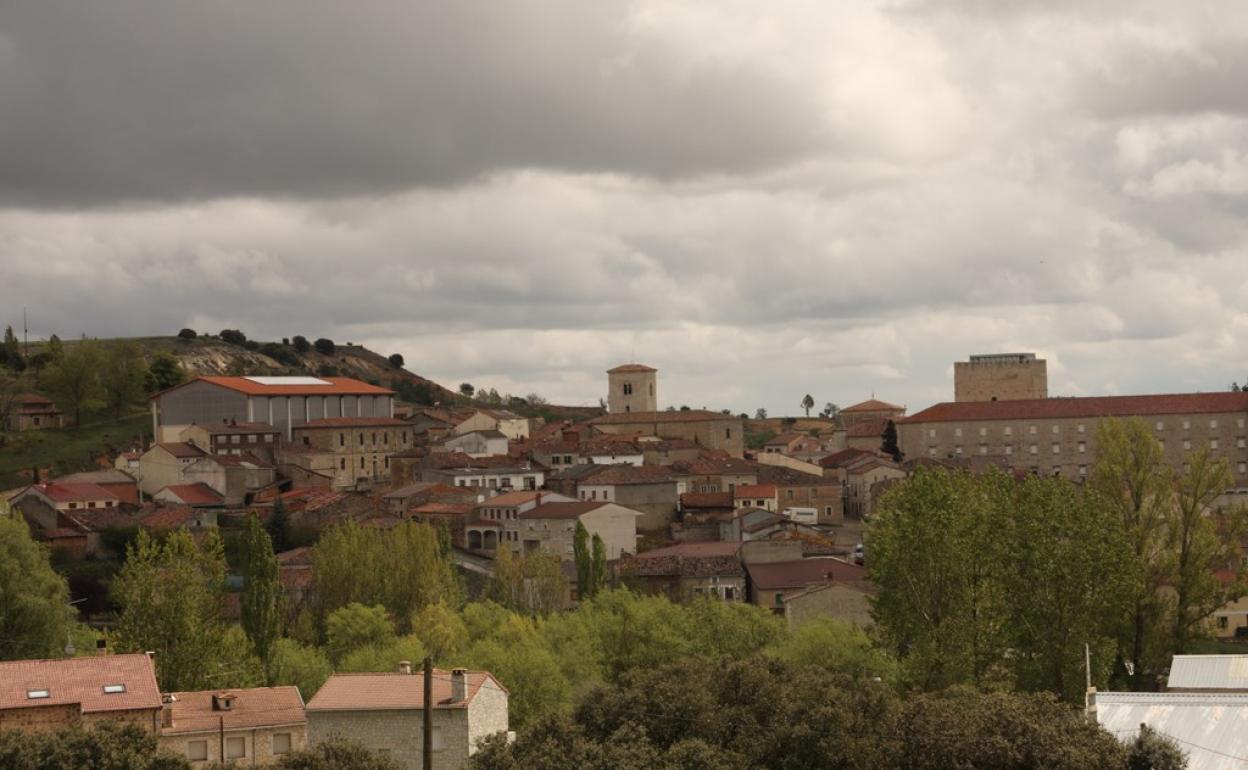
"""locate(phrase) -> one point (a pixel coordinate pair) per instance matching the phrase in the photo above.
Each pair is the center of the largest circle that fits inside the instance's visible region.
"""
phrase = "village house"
(32, 411)
(668, 451)
(862, 478)
(385, 714)
(714, 472)
(196, 495)
(1057, 436)
(866, 435)
(71, 517)
(165, 517)
(353, 452)
(648, 489)
(494, 515)
(38, 695)
(401, 499)
(477, 443)
(120, 483)
(709, 430)
(235, 438)
(283, 402)
(800, 445)
(59, 496)
(872, 410)
(236, 478)
(762, 496)
(685, 571)
(551, 527)
(164, 464)
(796, 489)
(487, 475)
(511, 425)
(246, 726)
(771, 583)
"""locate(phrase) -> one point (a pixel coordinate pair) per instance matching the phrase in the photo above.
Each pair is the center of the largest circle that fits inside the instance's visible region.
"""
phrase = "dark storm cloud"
(125, 99)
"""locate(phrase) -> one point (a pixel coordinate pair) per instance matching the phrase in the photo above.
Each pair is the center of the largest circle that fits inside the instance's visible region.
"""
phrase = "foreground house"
(385, 713)
(249, 727)
(1212, 729)
(53, 694)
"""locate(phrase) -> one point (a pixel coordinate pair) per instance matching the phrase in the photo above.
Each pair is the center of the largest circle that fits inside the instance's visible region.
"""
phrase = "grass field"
(67, 451)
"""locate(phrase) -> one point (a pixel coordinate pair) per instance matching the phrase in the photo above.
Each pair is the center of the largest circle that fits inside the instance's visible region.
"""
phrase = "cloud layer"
(829, 198)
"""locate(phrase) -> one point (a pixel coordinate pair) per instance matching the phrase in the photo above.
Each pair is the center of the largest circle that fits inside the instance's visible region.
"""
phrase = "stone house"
(551, 527)
(771, 583)
(795, 489)
(235, 438)
(496, 520)
(248, 727)
(709, 430)
(511, 425)
(847, 601)
(166, 517)
(648, 489)
(62, 496)
(871, 410)
(354, 452)
(385, 713)
(762, 496)
(37, 695)
(867, 435)
(714, 473)
(283, 402)
(401, 499)
(686, 571)
(861, 483)
(235, 477)
(120, 483)
(165, 463)
(477, 443)
(32, 411)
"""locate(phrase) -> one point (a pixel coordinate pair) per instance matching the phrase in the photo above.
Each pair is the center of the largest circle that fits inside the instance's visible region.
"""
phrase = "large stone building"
(283, 402)
(352, 451)
(1057, 436)
(1000, 377)
(37, 695)
(385, 713)
(711, 430)
(632, 388)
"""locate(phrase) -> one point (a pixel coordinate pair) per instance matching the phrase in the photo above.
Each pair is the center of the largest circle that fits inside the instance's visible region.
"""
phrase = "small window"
(1081, 430)
(197, 751)
(779, 599)
(1057, 429)
(1056, 447)
(235, 747)
(983, 449)
(1213, 443)
(1083, 447)
(251, 439)
(957, 450)
(114, 689)
(1031, 429)
(1241, 442)
(37, 694)
(437, 739)
(342, 439)
(1187, 444)
(374, 438)
(1009, 450)
(1034, 449)
(281, 743)
(1083, 471)
(1159, 425)
(1213, 423)
(236, 439)
(1009, 430)
(1243, 468)
(727, 432)
(957, 432)
(931, 433)
(361, 462)
(342, 464)
(983, 431)
(1187, 424)
(361, 439)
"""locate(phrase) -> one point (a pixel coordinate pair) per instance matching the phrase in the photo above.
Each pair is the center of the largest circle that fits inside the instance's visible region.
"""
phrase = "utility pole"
(426, 754)
(25, 336)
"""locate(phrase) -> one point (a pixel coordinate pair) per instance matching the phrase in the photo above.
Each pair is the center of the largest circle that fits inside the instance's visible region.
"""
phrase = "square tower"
(1000, 377)
(632, 388)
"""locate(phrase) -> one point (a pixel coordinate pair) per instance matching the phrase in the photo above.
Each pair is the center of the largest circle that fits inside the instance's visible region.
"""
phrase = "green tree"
(55, 348)
(163, 373)
(467, 389)
(169, 595)
(1150, 750)
(324, 346)
(583, 560)
(263, 600)
(301, 665)
(808, 403)
(396, 360)
(1131, 482)
(122, 375)
(337, 753)
(35, 616)
(74, 380)
(889, 445)
(107, 745)
(836, 646)
(1202, 542)
(384, 657)
(760, 414)
(442, 631)
(187, 334)
(598, 565)
(354, 626)
(278, 526)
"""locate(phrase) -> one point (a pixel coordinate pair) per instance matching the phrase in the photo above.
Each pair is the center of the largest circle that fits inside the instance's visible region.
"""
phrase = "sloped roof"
(630, 474)
(867, 428)
(562, 510)
(630, 368)
(1211, 729)
(517, 497)
(230, 428)
(1084, 406)
(198, 493)
(644, 418)
(167, 517)
(60, 492)
(252, 708)
(698, 559)
(804, 572)
(706, 500)
(353, 422)
(394, 691)
(105, 476)
(182, 449)
(1209, 672)
(844, 457)
(81, 681)
(290, 386)
(755, 490)
(874, 405)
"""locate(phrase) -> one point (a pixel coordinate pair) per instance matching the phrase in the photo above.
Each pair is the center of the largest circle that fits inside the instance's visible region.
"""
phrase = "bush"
(187, 334)
(251, 345)
(233, 336)
(396, 360)
(300, 343)
(280, 354)
(324, 347)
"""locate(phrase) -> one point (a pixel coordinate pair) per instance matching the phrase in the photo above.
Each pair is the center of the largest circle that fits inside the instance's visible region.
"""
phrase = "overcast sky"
(760, 199)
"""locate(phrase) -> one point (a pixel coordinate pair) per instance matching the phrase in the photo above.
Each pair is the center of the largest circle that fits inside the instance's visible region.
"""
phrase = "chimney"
(405, 667)
(222, 701)
(166, 709)
(459, 685)
(101, 646)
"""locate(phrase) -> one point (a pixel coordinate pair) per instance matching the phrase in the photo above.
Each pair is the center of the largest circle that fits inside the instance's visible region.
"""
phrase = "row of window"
(235, 747)
(1032, 430)
(495, 482)
(1082, 447)
(385, 438)
(91, 504)
(561, 460)
(252, 438)
(342, 462)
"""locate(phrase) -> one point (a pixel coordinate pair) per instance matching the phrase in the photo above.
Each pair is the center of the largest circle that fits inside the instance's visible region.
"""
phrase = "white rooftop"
(288, 381)
(1212, 729)
(1209, 672)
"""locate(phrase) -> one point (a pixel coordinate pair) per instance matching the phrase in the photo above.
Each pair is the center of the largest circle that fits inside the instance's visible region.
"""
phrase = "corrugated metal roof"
(1212, 729)
(1209, 672)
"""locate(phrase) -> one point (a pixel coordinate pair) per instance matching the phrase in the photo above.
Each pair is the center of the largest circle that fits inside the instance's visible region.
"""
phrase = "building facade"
(1001, 377)
(39, 695)
(710, 430)
(250, 727)
(352, 451)
(632, 388)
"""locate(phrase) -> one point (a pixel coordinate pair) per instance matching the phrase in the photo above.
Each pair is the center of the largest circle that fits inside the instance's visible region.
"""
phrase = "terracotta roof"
(844, 457)
(33, 399)
(251, 708)
(167, 517)
(82, 681)
(874, 405)
(443, 509)
(384, 692)
(628, 368)
(716, 466)
(296, 556)
(755, 490)
(631, 474)
(353, 422)
(408, 490)
(867, 428)
(182, 449)
(198, 493)
(645, 418)
(786, 438)
(110, 477)
(804, 572)
(333, 386)
(788, 477)
(562, 510)
(1090, 407)
(60, 492)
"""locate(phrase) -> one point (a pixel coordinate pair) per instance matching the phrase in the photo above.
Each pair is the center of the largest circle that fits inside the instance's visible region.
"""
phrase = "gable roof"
(181, 449)
(73, 492)
(289, 386)
(706, 500)
(874, 405)
(844, 457)
(1209, 672)
(696, 559)
(754, 490)
(1084, 406)
(395, 691)
(1211, 729)
(81, 681)
(630, 474)
(352, 422)
(562, 510)
(252, 708)
(167, 516)
(198, 493)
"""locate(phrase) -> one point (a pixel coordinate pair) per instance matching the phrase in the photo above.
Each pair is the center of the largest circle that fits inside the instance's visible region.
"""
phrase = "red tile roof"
(182, 449)
(630, 474)
(755, 490)
(844, 457)
(335, 386)
(198, 493)
(384, 692)
(628, 368)
(1089, 407)
(645, 418)
(508, 499)
(167, 517)
(694, 550)
(74, 492)
(81, 681)
(804, 572)
(443, 509)
(562, 510)
(252, 708)
(874, 405)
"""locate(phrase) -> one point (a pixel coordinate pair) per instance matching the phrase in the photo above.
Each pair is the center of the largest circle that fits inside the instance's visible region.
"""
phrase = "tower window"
(628, 388)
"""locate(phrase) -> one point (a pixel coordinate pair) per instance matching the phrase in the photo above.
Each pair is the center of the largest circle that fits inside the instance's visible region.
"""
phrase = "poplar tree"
(584, 561)
(263, 601)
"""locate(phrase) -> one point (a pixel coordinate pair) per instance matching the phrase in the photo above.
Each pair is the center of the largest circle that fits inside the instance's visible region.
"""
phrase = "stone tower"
(633, 388)
(1000, 377)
